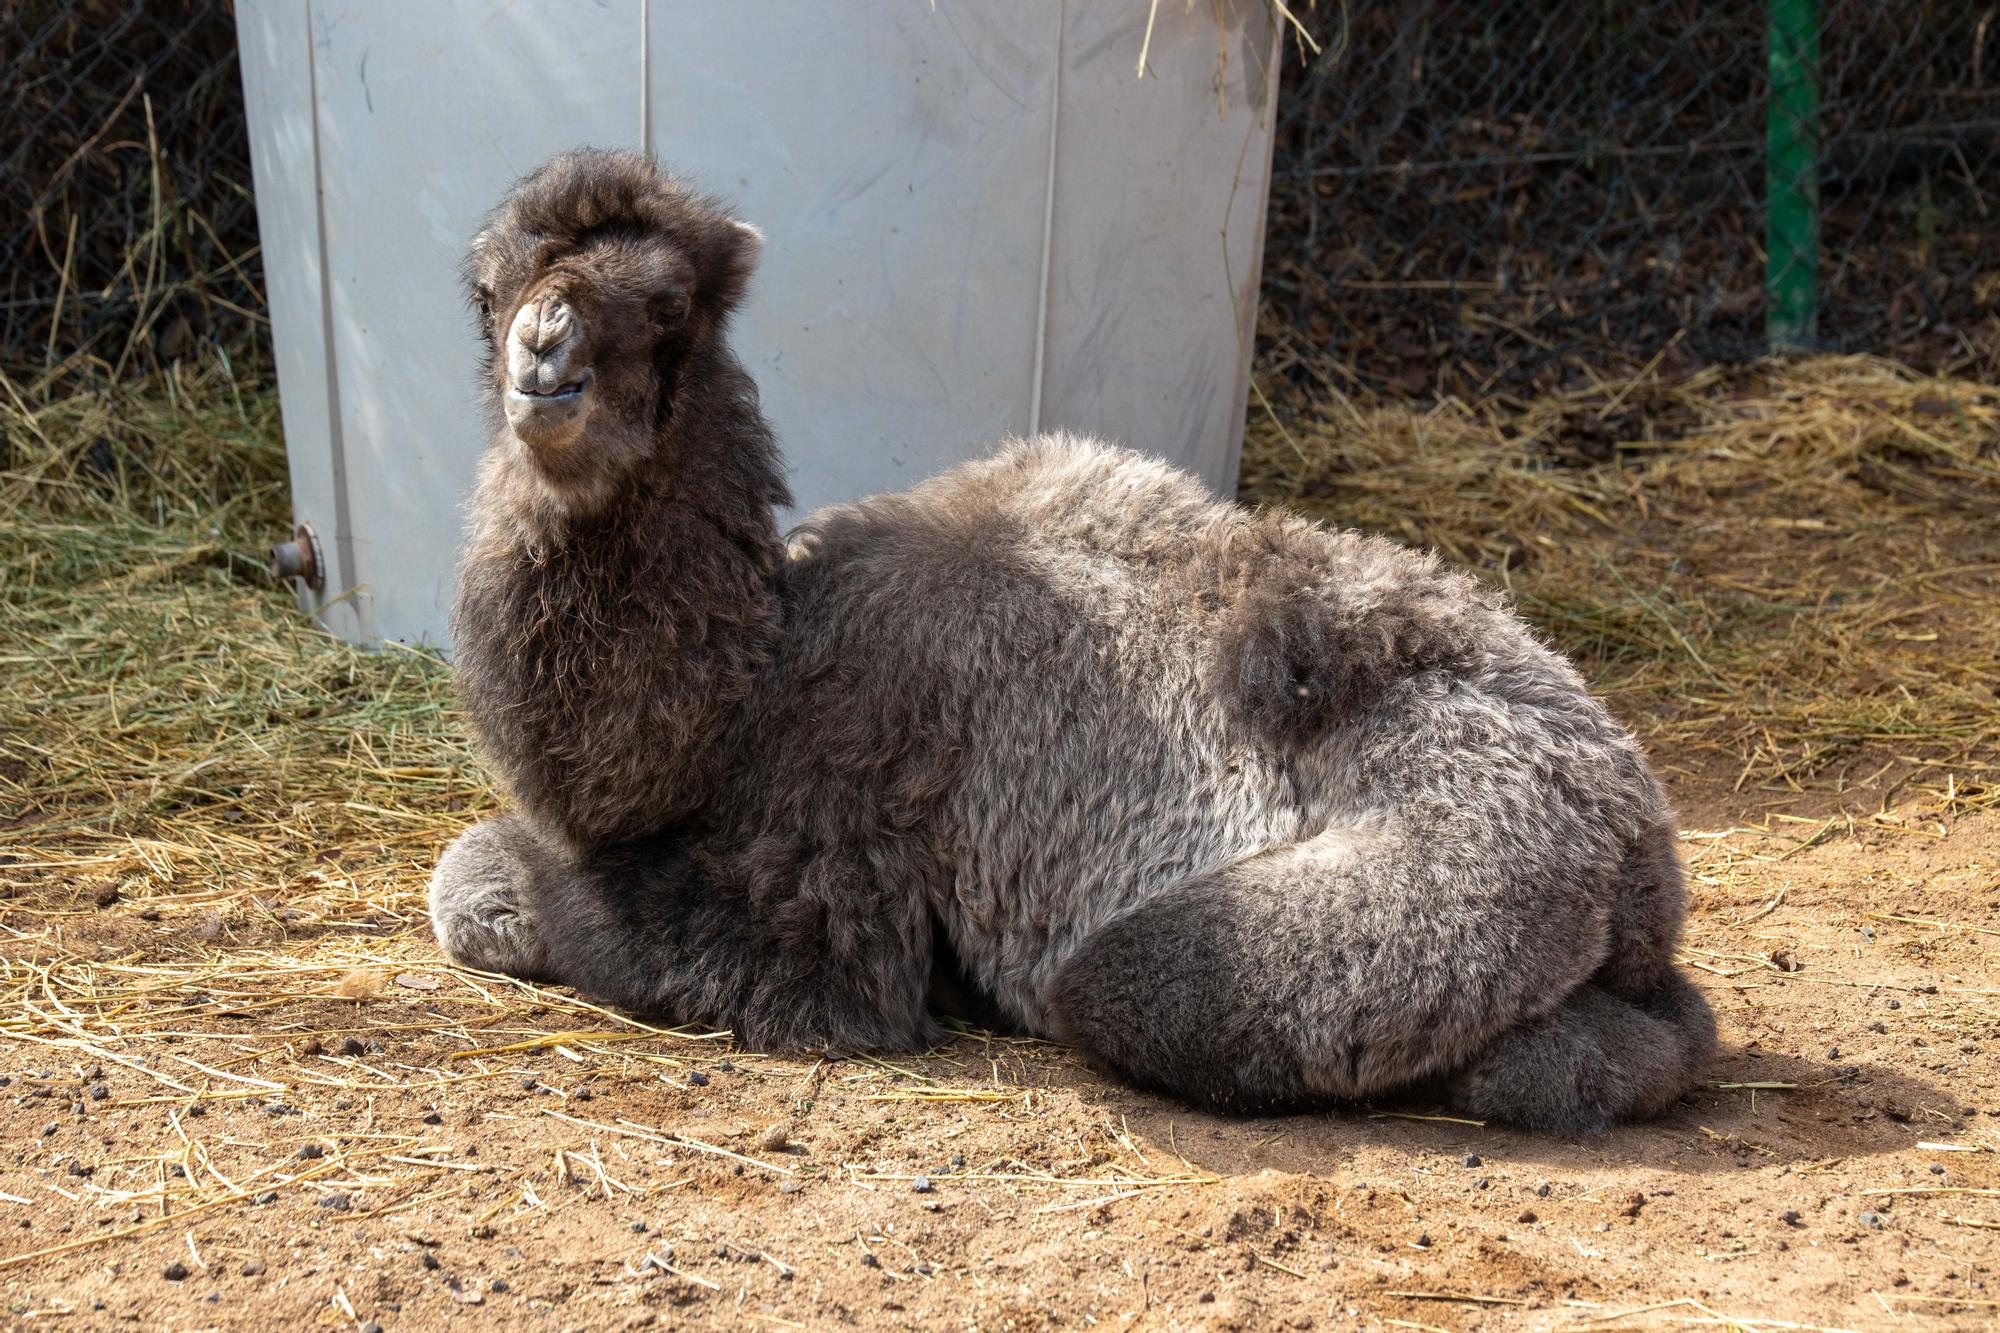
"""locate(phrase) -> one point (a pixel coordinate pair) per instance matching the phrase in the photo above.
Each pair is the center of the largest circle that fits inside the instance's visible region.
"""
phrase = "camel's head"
(595, 281)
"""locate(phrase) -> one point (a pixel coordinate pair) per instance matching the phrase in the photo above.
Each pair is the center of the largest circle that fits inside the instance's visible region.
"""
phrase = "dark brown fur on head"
(617, 593)
(643, 274)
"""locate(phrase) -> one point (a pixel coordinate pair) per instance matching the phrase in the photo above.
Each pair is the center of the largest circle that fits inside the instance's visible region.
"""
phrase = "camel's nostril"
(542, 324)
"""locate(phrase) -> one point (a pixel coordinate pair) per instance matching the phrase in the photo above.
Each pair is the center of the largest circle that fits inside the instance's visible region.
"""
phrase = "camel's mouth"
(547, 416)
(573, 389)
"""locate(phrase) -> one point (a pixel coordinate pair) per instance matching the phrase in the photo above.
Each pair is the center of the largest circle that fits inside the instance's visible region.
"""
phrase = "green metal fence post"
(1791, 176)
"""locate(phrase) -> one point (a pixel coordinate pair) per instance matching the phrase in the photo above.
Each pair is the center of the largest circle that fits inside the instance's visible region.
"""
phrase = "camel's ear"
(725, 271)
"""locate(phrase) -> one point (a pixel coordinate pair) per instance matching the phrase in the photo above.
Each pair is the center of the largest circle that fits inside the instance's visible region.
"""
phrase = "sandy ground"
(345, 1162)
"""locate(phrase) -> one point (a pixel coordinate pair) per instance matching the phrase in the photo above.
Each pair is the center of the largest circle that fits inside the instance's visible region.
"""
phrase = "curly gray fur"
(1254, 812)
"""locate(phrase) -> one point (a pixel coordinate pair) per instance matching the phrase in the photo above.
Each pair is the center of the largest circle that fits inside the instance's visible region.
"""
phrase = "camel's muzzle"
(546, 387)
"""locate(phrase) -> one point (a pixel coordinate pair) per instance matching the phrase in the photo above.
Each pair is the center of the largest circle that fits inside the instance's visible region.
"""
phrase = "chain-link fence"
(128, 232)
(1484, 197)
(1477, 197)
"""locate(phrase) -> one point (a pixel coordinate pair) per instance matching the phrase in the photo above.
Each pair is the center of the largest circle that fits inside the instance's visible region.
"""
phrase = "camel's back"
(1010, 665)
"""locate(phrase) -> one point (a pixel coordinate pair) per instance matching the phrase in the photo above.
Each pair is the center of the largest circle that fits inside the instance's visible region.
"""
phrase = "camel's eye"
(482, 298)
(670, 307)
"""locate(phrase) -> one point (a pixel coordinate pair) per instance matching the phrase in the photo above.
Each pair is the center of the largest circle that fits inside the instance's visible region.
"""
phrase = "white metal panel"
(276, 59)
(427, 113)
(1160, 190)
(980, 222)
(895, 156)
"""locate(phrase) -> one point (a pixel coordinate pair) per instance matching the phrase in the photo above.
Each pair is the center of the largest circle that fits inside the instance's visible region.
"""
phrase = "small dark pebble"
(50, 1128)
(433, 1118)
(922, 1185)
(175, 1271)
(1877, 1027)
(1470, 1159)
(98, 1092)
(1833, 1052)
(1542, 1190)
(1482, 1183)
(723, 1066)
(370, 1327)
(198, 1110)
(1895, 1004)
(1790, 1217)
(79, 1169)
(736, 1170)
(351, 1046)
(177, 1170)
(268, 1196)
(638, 1226)
(958, 1161)
(699, 1079)
(584, 1095)
(1206, 1298)
(869, 1261)
(497, 1284)
(5, 1080)
(430, 1261)
(1424, 1240)
(924, 1269)
(340, 1203)
(530, 1082)
(1870, 1220)
(1527, 1215)
(1936, 1169)
(312, 1046)
(251, 1267)
(789, 1187)
(311, 1151)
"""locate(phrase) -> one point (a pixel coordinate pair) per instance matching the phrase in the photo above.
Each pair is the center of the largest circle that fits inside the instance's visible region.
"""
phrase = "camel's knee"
(1162, 998)
(480, 896)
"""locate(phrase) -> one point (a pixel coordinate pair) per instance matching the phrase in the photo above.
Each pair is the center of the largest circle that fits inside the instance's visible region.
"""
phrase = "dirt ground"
(240, 1091)
(385, 1160)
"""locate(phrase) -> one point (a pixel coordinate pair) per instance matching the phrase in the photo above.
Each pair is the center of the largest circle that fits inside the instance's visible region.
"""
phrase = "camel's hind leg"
(1345, 966)
(1597, 1058)
(1521, 851)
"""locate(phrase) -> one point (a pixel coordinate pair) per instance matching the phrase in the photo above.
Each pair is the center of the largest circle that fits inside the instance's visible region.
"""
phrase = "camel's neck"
(601, 656)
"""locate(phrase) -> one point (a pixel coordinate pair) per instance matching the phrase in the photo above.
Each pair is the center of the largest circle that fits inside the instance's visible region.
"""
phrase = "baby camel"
(1255, 813)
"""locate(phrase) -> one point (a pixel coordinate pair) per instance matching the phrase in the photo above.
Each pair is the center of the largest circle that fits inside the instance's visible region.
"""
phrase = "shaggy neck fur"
(603, 646)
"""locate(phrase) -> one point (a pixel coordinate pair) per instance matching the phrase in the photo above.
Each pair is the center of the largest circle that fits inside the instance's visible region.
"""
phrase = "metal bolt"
(300, 559)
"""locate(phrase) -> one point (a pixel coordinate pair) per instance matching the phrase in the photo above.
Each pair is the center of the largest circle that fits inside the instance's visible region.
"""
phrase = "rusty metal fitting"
(300, 559)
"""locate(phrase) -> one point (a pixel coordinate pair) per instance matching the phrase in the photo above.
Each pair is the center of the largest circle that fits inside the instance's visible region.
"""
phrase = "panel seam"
(1048, 229)
(343, 531)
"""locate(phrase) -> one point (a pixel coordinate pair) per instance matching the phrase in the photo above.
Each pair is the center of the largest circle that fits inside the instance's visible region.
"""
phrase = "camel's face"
(584, 342)
(595, 281)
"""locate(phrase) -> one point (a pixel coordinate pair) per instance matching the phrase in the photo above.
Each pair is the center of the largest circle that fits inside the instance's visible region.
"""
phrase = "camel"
(1256, 813)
